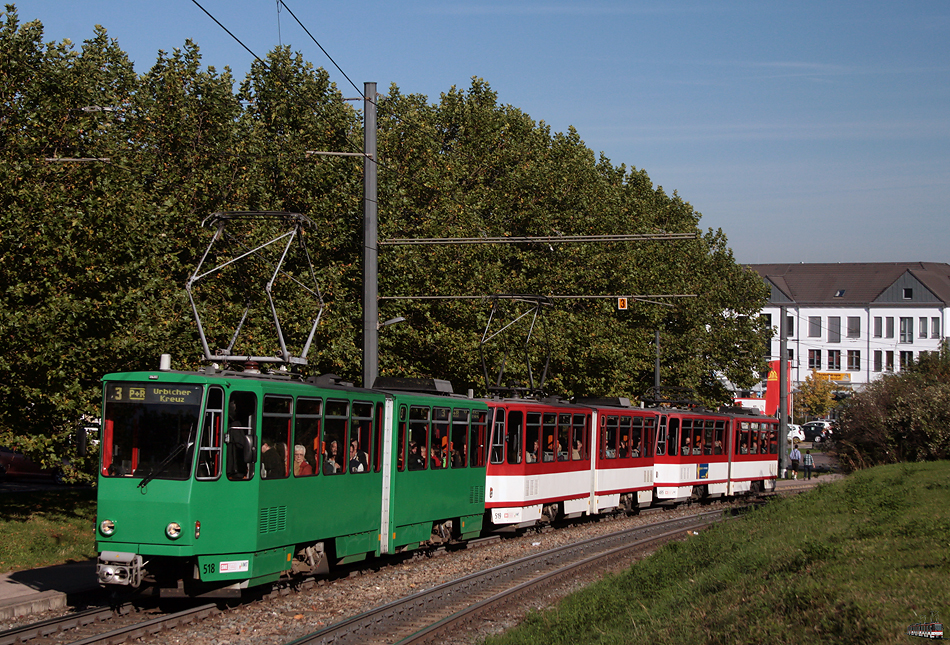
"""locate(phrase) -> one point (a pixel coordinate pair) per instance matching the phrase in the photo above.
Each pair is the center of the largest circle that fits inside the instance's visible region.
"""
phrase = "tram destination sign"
(153, 393)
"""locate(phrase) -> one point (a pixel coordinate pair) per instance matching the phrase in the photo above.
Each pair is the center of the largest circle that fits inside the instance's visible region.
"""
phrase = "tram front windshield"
(149, 430)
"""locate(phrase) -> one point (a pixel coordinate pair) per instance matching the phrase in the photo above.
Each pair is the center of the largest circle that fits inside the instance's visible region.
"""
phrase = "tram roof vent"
(325, 380)
(614, 402)
(400, 384)
(755, 412)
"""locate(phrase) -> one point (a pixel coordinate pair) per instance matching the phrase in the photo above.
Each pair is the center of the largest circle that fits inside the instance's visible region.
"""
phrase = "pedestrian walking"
(795, 456)
(809, 463)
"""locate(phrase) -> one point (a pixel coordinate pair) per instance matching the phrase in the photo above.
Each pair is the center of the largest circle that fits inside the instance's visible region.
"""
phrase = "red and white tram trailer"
(704, 454)
(623, 464)
(539, 461)
(551, 459)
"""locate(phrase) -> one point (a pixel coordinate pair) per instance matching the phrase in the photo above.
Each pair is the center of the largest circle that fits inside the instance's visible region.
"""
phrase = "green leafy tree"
(815, 396)
(69, 308)
(94, 255)
(469, 167)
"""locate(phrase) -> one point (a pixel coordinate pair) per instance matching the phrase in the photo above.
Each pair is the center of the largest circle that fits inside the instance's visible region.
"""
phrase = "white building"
(852, 322)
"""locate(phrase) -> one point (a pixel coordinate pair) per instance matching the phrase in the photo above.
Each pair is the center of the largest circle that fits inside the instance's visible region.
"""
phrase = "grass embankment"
(854, 561)
(46, 527)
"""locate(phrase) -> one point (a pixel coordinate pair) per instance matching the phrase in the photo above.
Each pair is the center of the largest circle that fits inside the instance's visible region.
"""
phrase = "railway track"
(423, 617)
(104, 625)
(427, 617)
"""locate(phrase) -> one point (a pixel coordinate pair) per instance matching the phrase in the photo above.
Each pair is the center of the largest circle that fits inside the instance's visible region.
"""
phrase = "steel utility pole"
(783, 391)
(370, 247)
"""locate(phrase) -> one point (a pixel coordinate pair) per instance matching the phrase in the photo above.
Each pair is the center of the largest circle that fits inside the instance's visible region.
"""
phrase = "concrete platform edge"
(32, 603)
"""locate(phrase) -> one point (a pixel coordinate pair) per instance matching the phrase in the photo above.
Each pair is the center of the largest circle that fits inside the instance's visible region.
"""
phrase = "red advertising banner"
(772, 387)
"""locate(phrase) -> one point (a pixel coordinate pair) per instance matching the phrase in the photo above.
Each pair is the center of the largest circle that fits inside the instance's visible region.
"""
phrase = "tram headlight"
(107, 527)
(173, 530)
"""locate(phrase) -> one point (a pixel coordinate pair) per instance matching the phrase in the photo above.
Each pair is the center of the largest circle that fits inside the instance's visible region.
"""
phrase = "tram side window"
(686, 427)
(418, 437)
(636, 437)
(649, 431)
(548, 436)
(661, 438)
(333, 450)
(720, 437)
(498, 437)
(673, 432)
(708, 437)
(275, 437)
(698, 445)
(458, 446)
(476, 451)
(533, 437)
(773, 442)
(742, 445)
(564, 437)
(754, 439)
(361, 427)
(377, 449)
(242, 453)
(513, 439)
(608, 437)
(209, 449)
(307, 436)
(623, 447)
(579, 437)
(441, 418)
(401, 440)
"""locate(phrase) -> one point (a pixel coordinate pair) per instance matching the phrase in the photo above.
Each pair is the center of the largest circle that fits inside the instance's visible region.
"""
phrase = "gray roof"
(851, 284)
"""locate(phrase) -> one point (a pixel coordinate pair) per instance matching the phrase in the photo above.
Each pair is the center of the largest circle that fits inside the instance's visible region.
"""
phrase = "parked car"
(795, 433)
(817, 431)
(16, 464)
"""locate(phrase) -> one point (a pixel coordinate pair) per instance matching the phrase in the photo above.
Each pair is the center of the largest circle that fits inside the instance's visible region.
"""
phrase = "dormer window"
(839, 293)
(908, 293)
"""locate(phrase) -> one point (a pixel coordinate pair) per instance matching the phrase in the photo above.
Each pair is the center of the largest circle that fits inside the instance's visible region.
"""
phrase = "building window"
(854, 327)
(789, 326)
(907, 359)
(768, 320)
(814, 359)
(878, 327)
(814, 326)
(889, 327)
(935, 328)
(878, 360)
(854, 360)
(839, 293)
(791, 355)
(908, 293)
(922, 327)
(889, 361)
(834, 329)
(834, 360)
(907, 330)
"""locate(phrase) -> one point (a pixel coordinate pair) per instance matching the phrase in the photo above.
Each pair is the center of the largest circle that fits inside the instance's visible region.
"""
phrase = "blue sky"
(810, 131)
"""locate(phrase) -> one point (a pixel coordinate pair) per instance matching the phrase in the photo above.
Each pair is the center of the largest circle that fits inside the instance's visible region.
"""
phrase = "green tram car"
(214, 481)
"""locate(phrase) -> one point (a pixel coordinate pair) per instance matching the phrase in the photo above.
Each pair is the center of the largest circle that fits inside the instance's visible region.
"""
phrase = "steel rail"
(437, 630)
(56, 625)
(381, 622)
(138, 630)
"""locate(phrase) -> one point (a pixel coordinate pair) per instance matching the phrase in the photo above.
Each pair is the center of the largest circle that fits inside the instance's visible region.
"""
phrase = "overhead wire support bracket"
(324, 153)
(547, 239)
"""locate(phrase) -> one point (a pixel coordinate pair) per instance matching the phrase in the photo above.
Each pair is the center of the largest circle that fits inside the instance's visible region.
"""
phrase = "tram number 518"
(207, 568)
